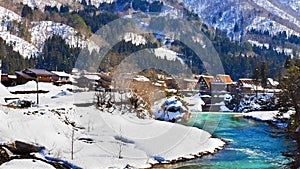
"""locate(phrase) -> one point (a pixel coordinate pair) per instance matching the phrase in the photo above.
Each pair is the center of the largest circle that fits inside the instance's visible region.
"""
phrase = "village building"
(189, 84)
(247, 86)
(61, 78)
(8, 80)
(223, 83)
(204, 84)
(40, 75)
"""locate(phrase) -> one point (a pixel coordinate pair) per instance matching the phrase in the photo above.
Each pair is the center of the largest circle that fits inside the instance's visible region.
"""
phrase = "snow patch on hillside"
(135, 39)
(266, 4)
(8, 15)
(42, 3)
(265, 24)
(164, 53)
(261, 45)
(26, 49)
(45, 29)
(26, 163)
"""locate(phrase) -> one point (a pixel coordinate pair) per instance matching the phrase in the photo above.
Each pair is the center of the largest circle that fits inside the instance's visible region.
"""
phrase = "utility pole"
(72, 146)
(37, 91)
(0, 70)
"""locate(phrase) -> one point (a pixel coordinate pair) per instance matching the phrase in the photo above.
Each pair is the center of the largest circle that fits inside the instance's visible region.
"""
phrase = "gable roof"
(245, 81)
(24, 75)
(224, 78)
(39, 71)
(60, 74)
(207, 79)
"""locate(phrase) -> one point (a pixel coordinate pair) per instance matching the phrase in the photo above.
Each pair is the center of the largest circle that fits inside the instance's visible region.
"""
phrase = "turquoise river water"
(250, 145)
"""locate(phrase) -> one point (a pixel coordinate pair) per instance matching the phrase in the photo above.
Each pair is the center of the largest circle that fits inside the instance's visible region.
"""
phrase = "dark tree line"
(11, 60)
(57, 55)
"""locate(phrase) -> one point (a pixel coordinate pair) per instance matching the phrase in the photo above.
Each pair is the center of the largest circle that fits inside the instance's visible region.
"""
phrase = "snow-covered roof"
(92, 77)
(141, 78)
(272, 82)
(191, 80)
(12, 76)
(39, 71)
(61, 74)
(224, 78)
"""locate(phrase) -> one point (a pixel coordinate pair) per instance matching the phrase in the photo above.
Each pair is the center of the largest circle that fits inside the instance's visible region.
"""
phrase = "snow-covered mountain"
(238, 16)
(42, 3)
(45, 29)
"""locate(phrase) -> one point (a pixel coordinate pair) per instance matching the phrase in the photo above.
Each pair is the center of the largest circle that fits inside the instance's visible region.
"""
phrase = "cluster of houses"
(221, 82)
(39, 75)
(202, 83)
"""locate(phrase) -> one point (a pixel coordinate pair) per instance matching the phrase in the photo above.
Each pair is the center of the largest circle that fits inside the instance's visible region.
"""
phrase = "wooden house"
(60, 78)
(222, 83)
(204, 83)
(41, 75)
(247, 86)
(224, 79)
(8, 80)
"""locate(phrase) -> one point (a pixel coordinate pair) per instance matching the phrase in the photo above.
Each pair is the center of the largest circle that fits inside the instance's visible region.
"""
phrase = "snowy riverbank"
(101, 139)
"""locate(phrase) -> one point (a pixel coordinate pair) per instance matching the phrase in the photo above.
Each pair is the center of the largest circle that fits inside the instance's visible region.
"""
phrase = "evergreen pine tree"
(264, 73)
(256, 76)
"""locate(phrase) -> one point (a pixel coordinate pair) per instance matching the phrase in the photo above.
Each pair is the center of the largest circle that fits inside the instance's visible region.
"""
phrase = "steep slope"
(236, 16)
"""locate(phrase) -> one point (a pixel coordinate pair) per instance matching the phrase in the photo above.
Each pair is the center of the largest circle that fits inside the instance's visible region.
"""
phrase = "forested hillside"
(238, 57)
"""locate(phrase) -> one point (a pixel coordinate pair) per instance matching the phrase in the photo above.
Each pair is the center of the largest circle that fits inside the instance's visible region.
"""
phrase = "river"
(251, 144)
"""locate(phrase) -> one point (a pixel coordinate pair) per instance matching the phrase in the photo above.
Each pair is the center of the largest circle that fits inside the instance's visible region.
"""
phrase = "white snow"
(7, 16)
(135, 39)
(92, 77)
(194, 103)
(45, 29)
(26, 163)
(261, 45)
(42, 3)
(265, 115)
(265, 24)
(19, 45)
(61, 74)
(169, 109)
(266, 4)
(164, 53)
(138, 141)
(3, 93)
(141, 78)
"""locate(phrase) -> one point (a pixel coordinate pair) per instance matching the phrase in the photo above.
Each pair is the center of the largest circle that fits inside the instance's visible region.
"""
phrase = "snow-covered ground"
(26, 163)
(266, 116)
(100, 137)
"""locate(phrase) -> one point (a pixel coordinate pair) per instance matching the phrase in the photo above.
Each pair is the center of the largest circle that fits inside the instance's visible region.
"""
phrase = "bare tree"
(105, 100)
